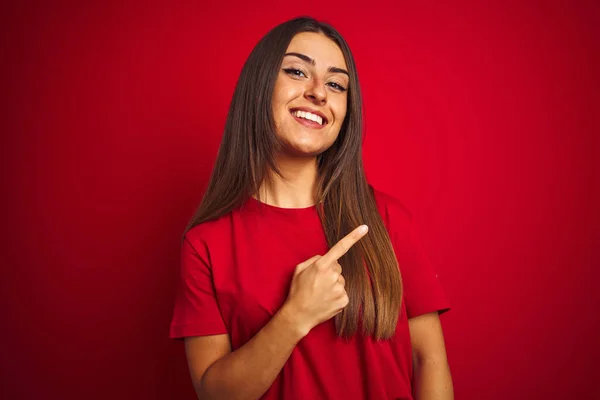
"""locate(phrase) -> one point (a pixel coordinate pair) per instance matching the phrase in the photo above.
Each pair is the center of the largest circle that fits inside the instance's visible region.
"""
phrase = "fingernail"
(363, 229)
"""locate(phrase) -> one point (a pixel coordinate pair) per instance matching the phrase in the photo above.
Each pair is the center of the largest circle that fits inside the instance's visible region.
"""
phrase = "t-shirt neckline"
(269, 207)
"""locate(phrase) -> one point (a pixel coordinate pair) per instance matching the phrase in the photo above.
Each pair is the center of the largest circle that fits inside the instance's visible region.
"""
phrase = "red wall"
(483, 118)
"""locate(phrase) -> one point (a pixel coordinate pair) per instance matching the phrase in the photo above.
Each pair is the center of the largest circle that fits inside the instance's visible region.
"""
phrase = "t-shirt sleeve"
(423, 291)
(196, 311)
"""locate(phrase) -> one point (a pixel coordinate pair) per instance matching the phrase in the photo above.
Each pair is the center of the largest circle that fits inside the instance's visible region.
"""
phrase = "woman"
(283, 292)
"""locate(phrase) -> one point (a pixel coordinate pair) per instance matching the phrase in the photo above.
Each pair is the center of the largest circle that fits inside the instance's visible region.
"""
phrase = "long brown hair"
(247, 155)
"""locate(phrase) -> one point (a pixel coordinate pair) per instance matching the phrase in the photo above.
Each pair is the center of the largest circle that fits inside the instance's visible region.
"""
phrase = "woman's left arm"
(431, 373)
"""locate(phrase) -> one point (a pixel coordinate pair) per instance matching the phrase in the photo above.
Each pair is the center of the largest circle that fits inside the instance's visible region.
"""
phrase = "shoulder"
(201, 235)
(395, 214)
(391, 206)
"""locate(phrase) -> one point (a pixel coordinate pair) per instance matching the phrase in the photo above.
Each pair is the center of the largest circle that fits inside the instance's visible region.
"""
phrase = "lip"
(310, 110)
(307, 123)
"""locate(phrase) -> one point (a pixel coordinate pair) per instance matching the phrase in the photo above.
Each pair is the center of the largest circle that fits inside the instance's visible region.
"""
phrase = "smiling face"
(310, 96)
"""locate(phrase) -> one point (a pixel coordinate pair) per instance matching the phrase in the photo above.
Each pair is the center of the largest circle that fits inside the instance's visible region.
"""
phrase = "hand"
(317, 291)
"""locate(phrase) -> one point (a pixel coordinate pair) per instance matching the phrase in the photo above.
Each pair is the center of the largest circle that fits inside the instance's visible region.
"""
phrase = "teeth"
(309, 116)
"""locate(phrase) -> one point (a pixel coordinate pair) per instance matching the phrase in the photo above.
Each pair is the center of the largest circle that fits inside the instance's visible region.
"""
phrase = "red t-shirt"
(236, 273)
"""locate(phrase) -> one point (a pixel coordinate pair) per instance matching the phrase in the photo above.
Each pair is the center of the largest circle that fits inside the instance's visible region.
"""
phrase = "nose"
(316, 92)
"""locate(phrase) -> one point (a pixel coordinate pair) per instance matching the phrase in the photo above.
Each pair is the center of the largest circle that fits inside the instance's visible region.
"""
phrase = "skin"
(432, 379)
(302, 84)
(317, 290)
(310, 86)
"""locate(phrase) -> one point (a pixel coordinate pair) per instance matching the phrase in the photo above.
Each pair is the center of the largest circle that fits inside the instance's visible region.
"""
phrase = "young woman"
(299, 280)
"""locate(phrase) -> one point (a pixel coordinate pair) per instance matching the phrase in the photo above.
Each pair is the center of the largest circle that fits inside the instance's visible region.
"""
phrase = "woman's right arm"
(247, 373)
(316, 295)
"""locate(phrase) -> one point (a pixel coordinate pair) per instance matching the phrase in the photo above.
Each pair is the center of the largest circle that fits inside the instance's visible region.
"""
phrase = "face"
(311, 90)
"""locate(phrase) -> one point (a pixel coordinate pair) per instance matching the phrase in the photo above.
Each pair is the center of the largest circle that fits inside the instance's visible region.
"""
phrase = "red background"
(482, 118)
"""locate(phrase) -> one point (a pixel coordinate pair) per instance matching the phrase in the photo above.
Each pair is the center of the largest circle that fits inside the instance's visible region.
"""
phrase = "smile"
(309, 119)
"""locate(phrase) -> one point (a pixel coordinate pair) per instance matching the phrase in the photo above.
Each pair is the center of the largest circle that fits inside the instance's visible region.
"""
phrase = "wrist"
(290, 321)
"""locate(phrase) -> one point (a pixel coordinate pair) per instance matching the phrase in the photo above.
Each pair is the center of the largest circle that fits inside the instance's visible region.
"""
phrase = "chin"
(304, 150)
(307, 152)
(303, 145)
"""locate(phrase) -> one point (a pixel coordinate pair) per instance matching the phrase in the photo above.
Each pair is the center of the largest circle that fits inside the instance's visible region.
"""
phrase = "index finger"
(342, 247)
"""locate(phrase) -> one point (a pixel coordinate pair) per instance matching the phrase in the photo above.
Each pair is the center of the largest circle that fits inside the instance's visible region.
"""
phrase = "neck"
(297, 188)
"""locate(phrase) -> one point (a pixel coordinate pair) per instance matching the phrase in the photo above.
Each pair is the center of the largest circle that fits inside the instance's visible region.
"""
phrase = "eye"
(294, 71)
(337, 86)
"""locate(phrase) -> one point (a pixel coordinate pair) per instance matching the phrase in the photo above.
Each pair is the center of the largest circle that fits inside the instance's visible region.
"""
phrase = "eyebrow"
(312, 62)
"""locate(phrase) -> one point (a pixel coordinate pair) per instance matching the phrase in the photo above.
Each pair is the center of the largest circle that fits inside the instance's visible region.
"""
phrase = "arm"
(432, 379)
(316, 294)
(246, 373)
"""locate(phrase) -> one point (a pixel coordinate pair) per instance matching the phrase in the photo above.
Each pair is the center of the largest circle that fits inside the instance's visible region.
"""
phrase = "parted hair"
(247, 155)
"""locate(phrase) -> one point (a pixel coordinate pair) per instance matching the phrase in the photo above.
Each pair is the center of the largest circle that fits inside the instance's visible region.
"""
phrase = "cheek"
(279, 104)
(340, 112)
(276, 102)
(284, 92)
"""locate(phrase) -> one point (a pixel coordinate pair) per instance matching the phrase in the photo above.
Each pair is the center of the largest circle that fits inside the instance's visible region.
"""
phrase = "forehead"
(320, 48)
